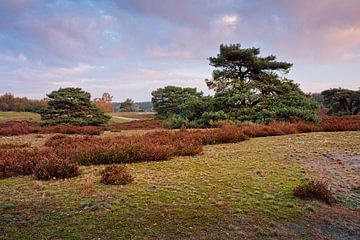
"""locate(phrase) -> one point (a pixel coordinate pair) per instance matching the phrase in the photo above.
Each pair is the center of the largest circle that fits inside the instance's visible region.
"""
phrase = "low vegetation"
(43, 163)
(14, 128)
(231, 191)
(53, 167)
(116, 175)
(314, 190)
(154, 146)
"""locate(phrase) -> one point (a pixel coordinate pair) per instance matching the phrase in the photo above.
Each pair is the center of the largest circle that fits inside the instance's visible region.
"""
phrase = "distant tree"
(104, 103)
(72, 106)
(318, 97)
(8, 102)
(127, 106)
(145, 106)
(342, 101)
(166, 101)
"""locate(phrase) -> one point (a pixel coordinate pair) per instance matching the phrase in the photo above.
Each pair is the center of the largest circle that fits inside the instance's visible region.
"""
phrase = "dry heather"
(154, 146)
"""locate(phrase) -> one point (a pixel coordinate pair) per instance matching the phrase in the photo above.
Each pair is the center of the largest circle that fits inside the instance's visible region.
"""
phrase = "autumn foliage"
(116, 175)
(62, 153)
(44, 163)
(14, 128)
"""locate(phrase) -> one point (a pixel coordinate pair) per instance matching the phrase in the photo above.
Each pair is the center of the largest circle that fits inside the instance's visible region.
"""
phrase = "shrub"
(305, 128)
(14, 128)
(116, 175)
(139, 124)
(344, 123)
(316, 190)
(14, 145)
(226, 134)
(54, 167)
(71, 129)
(184, 142)
(93, 150)
(15, 162)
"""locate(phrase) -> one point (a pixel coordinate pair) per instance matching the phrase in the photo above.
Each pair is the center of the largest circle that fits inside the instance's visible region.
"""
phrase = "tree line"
(251, 88)
(247, 86)
(8, 102)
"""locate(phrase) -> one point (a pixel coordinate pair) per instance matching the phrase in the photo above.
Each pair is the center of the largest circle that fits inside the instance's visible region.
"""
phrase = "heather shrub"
(315, 190)
(184, 143)
(226, 134)
(344, 123)
(53, 167)
(116, 175)
(14, 145)
(139, 124)
(15, 162)
(72, 129)
(14, 128)
(92, 150)
(304, 127)
(54, 140)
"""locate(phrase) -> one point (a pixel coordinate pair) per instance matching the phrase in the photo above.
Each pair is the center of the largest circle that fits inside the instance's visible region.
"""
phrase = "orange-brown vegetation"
(314, 190)
(116, 175)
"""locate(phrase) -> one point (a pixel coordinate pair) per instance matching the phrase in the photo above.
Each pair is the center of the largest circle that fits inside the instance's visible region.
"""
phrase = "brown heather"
(116, 175)
(314, 190)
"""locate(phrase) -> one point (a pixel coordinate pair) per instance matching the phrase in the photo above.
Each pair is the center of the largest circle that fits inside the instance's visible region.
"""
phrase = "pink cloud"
(160, 53)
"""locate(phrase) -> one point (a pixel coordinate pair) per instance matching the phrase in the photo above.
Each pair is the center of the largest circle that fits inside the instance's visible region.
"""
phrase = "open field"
(134, 115)
(34, 117)
(232, 191)
(18, 116)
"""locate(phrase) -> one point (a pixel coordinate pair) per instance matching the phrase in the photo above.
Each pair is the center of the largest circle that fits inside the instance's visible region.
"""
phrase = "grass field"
(134, 115)
(232, 191)
(18, 116)
(34, 117)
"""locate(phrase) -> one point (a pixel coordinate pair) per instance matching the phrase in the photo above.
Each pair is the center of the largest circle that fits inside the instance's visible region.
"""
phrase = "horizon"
(130, 48)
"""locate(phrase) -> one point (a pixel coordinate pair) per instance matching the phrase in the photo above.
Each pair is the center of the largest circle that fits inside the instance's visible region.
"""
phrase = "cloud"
(159, 53)
(133, 47)
(229, 20)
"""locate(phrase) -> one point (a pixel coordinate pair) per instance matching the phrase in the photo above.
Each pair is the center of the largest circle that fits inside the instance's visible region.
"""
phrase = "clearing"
(232, 191)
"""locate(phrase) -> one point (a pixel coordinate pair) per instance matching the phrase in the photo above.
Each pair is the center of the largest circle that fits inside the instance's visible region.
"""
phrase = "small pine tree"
(72, 106)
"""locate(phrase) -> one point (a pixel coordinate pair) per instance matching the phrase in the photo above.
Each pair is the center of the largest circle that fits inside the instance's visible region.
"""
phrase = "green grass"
(34, 117)
(18, 116)
(237, 191)
(118, 120)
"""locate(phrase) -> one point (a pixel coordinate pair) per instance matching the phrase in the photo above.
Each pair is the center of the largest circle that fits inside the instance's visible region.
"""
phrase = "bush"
(15, 162)
(93, 150)
(184, 142)
(71, 129)
(116, 175)
(226, 134)
(315, 190)
(139, 124)
(43, 162)
(14, 128)
(54, 167)
(344, 123)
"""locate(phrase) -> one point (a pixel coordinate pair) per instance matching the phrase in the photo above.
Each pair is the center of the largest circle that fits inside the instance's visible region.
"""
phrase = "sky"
(130, 48)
